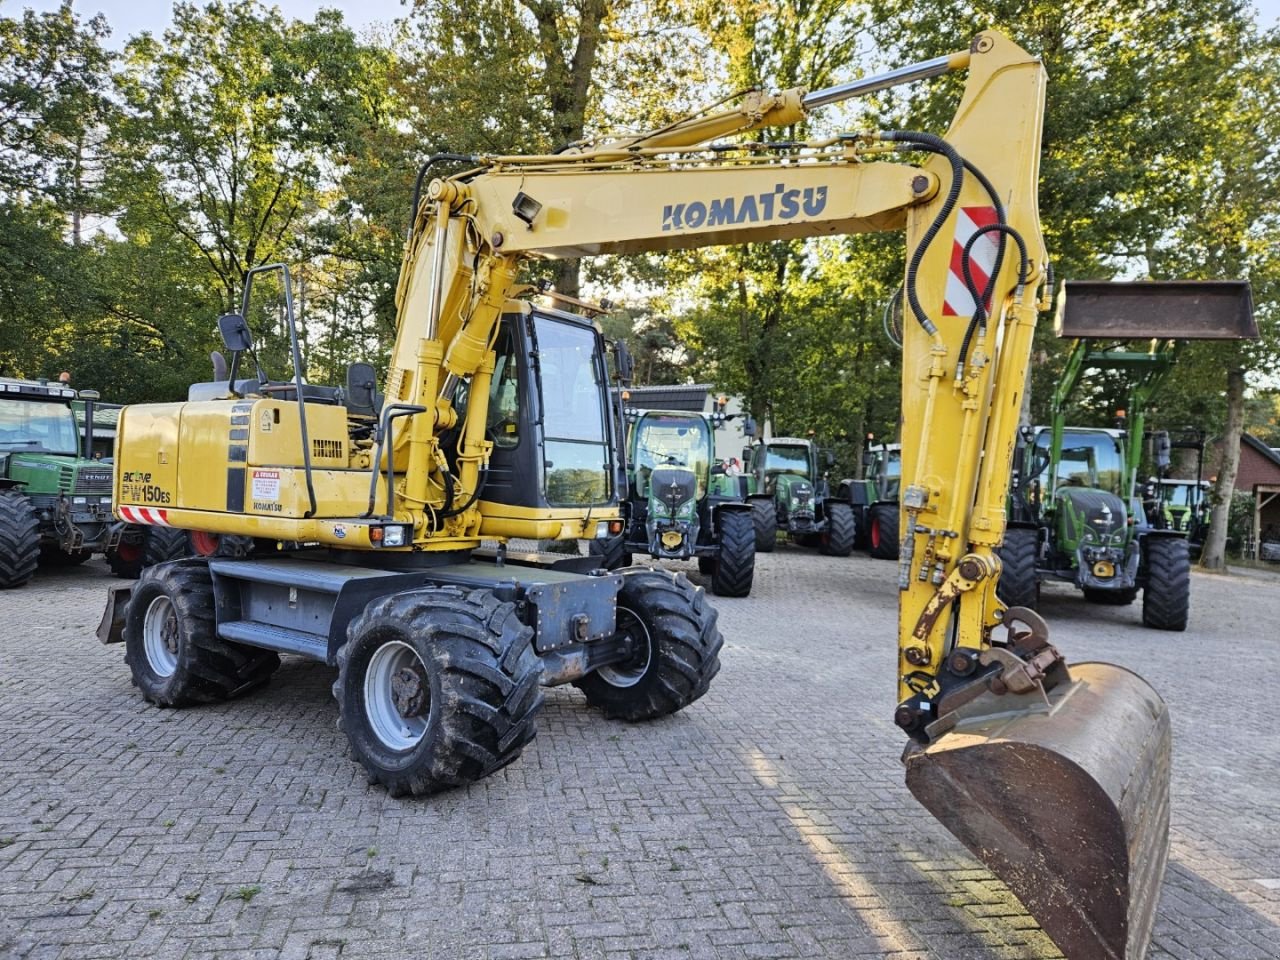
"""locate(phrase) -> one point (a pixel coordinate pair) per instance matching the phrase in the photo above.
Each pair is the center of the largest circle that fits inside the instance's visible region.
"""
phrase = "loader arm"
(967, 201)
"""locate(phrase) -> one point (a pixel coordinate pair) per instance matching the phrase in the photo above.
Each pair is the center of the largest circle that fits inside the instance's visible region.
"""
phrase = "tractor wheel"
(735, 564)
(838, 540)
(163, 544)
(171, 644)
(201, 543)
(612, 552)
(1166, 599)
(1019, 585)
(882, 535)
(1111, 598)
(125, 560)
(437, 688)
(19, 540)
(677, 649)
(764, 518)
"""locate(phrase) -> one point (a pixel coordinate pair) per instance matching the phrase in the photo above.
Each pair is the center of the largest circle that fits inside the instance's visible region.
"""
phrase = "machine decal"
(137, 486)
(266, 484)
(780, 203)
(958, 301)
(146, 515)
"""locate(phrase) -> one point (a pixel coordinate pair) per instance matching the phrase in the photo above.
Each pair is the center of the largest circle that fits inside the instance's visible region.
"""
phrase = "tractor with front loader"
(369, 516)
(679, 505)
(792, 494)
(1076, 513)
(55, 499)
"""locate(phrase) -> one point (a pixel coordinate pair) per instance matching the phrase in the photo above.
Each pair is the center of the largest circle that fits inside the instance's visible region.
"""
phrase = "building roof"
(690, 397)
(1260, 448)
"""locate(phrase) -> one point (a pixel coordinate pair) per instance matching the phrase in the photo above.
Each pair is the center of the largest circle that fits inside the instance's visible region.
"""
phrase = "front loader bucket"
(1067, 804)
(1169, 310)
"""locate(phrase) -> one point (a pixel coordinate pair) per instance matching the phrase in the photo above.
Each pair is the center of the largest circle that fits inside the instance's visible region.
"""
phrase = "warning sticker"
(266, 485)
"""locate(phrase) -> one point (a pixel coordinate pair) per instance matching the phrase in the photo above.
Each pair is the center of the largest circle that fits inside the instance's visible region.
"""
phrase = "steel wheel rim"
(160, 636)
(631, 672)
(393, 729)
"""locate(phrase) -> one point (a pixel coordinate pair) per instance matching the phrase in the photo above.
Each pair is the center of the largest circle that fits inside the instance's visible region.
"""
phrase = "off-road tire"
(1166, 598)
(764, 518)
(1019, 584)
(1111, 598)
(882, 531)
(839, 537)
(19, 540)
(478, 670)
(611, 551)
(163, 544)
(735, 563)
(678, 653)
(201, 543)
(125, 560)
(205, 667)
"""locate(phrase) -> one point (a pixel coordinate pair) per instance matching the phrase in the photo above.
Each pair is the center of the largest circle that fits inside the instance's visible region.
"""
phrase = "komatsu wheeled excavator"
(367, 510)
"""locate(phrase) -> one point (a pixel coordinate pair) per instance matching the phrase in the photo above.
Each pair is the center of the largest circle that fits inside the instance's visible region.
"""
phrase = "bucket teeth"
(1068, 805)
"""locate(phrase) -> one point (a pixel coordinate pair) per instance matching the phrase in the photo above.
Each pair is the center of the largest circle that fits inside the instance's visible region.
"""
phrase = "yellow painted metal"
(500, 520)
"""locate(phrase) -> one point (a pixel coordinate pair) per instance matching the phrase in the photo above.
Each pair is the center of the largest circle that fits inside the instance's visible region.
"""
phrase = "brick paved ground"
(768, 820)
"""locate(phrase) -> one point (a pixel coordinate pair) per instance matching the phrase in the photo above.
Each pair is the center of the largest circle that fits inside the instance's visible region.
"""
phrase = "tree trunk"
(1214, 555)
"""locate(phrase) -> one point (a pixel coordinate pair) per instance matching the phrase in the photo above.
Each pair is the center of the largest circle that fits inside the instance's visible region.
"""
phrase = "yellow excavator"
(367, 509)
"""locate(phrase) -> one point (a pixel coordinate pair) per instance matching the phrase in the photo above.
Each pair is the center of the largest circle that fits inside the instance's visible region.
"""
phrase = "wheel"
(1019, 585)
(163, 544)
(201, 543)
(19, 540)
(707, 565)
(171, 646)
(125, 560)
(735, 563)
(1166, 598)
(677, 648)
(1111, 598)
(612, 551)
(764, 517)
(883, 533)
(437, 688)
(838, 540)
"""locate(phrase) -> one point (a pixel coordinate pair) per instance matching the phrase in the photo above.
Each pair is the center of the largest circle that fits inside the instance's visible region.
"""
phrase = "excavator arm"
(988, 702)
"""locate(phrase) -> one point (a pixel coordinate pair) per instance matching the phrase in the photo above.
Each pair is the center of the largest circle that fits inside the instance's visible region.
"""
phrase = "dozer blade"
(1067, 804)
(1169, 310)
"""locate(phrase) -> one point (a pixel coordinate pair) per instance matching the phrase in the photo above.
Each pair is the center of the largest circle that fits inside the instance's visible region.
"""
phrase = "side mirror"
(829, 457)
(235, 332)
(362, 386)
(748, 427)
(626, 363)
(1163, 452)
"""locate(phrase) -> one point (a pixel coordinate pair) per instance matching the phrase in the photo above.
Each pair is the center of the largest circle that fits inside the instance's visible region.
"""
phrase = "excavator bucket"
(1067, 803)
(1170, 310)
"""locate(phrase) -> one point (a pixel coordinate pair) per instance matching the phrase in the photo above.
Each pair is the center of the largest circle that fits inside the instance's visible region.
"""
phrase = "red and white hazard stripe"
(982, 260)
(147, 515)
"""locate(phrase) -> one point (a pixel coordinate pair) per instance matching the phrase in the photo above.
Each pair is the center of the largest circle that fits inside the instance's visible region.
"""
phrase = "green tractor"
(874, 500)
(787, 492)
(55, 499)
(681, 505)
(1173, 504)
(1073, 512)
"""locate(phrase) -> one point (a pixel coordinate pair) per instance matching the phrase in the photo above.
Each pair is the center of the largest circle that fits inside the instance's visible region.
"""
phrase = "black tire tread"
(612, 551)
(19, 540)
(764, 518)
(840, 529)
(1019, 584)
(735, 562)
(210, 668)
(489, 676)
(1166, 598)
(163, 544)
(688, 648)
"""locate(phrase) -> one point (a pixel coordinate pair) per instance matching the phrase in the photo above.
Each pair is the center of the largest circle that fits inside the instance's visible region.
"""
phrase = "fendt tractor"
(55, 499)
(678, 506)
(791, 493)
(1076, 513)
(369, 516)
(874, 499)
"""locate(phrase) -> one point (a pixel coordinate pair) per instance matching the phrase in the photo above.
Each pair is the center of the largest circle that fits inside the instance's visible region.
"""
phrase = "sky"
(129, 17)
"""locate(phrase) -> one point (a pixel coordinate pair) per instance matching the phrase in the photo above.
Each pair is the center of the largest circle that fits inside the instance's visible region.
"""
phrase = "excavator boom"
(1056, 776)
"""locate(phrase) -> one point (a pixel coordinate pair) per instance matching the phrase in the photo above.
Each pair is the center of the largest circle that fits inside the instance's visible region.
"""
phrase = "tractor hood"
(1092, 514)
(671, 488)
(797, 491)
(48, 473)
